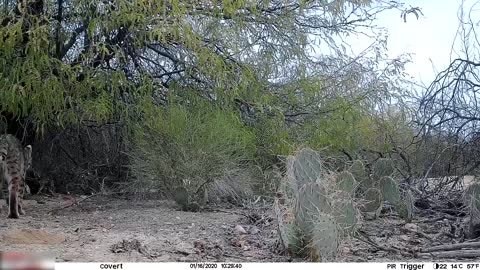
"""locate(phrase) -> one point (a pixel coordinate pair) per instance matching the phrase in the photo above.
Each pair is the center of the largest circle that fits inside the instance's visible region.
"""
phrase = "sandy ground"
(96, 229)
(107, 229)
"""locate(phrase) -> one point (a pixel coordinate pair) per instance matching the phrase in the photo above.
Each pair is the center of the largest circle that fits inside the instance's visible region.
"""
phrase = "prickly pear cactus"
(383, 167)
(295, 238)
(305, 167)
(358, 170)
(401, 198)
(311, 200)
(406, 206)
(390, 190)
(345, 214)
(373, 203)
(324, 244)
(324, 211)
(346, 182)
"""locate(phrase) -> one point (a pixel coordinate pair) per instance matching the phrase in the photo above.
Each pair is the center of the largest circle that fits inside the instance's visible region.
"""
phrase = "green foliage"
(189, 147)
(346, 127)
(38, 85)
(273, 139)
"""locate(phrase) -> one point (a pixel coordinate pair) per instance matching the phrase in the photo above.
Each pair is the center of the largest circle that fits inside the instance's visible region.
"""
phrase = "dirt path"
(105, 229)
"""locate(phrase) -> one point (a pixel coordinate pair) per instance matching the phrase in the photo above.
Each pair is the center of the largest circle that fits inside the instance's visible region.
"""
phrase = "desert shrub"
(193, 146)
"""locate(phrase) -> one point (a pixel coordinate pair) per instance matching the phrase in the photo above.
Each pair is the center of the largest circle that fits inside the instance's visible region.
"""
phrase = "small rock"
(184, 248)
(405, 237)
(164, 258)
(239, 229)
(236, 242)
(254, 230)
(411, 226)
(182, 259)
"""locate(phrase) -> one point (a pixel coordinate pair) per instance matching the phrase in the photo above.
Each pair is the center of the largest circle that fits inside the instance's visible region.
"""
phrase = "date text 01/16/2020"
(215, 265)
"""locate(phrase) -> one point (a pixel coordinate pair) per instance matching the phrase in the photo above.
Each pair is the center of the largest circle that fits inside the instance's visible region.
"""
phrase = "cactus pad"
(373, 203)
(383, 167)
(305, 167)
(390, 190)
(358, 170)
(406, 206)
(324, 243)
(346, 182)
(311, 201)
(345, 214)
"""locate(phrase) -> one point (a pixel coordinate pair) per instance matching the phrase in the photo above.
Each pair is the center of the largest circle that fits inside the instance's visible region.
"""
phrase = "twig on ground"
(453, 254)
(451, 247)
(369, 241)
(74, 203)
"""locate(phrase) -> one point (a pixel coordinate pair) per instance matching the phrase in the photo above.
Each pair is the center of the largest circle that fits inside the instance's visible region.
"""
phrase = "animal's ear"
(28, 151)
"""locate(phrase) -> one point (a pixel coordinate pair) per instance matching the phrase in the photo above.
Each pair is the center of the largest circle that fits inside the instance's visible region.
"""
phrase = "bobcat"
(14, 162)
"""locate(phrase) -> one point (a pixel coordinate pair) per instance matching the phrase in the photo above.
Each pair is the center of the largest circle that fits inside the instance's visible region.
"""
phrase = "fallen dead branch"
(72, 204)
(451, 247)
(366, 239)
(454, 254)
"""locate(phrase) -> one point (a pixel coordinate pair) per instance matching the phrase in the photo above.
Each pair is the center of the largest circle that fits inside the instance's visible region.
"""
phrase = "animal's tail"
(13, 204)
